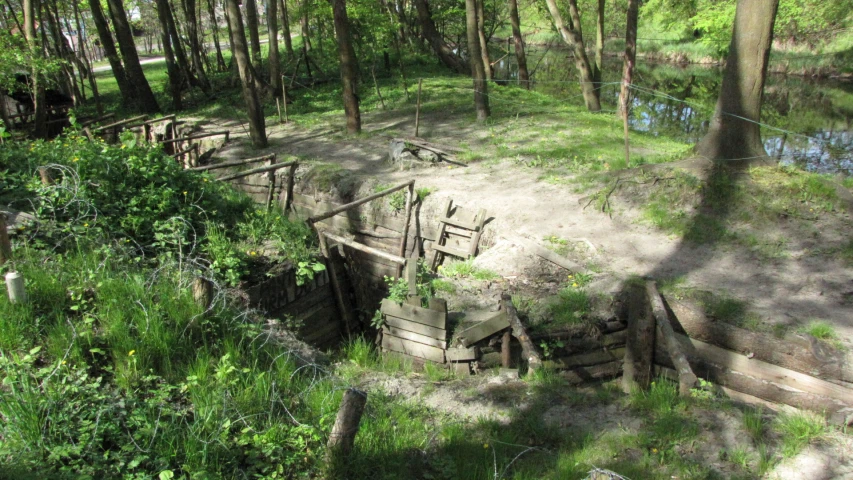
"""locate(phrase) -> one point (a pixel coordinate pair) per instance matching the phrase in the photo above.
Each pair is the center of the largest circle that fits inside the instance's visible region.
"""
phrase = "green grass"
(466, 269)
(822, 331)
(797, 430)
(571, 307)
(754, 423)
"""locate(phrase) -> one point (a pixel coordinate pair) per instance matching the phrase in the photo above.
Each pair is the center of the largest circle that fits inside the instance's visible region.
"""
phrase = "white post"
(15, 286)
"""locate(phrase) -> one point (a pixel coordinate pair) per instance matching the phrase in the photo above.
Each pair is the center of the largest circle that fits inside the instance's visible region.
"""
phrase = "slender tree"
(87, 65)
(285, 30)
(523, 76)
(252, 25)
(240, 52)
(194, 43)
(734, 134)
(214, 28)
(436, 40)
(478, 71)
(599, 42)
(481, 35)
(349, 69)
(109, 50)
(39, 110)
(142, 90)
(303, 25)
(573, 36)
(175, 77)
(275, 66)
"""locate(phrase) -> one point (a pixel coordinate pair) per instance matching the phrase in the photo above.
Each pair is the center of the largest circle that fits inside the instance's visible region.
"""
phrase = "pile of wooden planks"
(415, 331)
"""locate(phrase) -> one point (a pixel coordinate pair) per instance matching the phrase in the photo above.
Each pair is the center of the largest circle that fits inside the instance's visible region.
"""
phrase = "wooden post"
(5, 245)
(342, 437)
(284, 97)
(412, 280)
(278, 107)
(506, 358)
(333, 276)
(528, 350)
(409, 201)
(15, 287)
(203, 292)
(271, 189)
(44, 173)
(418, 107)
(686, 377)
(287, 194)
(640, 344)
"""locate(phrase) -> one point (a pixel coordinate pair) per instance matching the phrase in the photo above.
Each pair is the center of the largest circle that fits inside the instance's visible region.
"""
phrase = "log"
(506, 352)
(433, 147)
(364, 248)
(97, 120)
(235, 163)
(805, 355)
(203, 292)
(402, 251)
(198, 136)
(336, 286)
(528, 350)
(342, 437)
(471, 335)
(348, 206)
(543, 252)
(580, 375)
(587, 359)
(121, 123)
(586, 344)
(268, 168)
(637, 370)
(686, 377)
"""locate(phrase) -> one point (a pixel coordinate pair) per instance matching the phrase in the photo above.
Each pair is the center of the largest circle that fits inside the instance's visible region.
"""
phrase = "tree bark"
(254, 36)
(599, 43)
(349, 72)
(195, 44)
(481, 34)
(573, 36)
(214, 27)
(342, 436)
(141, 89)
(93, 83)
(285, 30)
(303, 24)
(240, 52)
(521, 58)
(39, 110)
(436, 41)
(734, 134)
(175, 82)
(275, 66)
(478, 72)
(109, 49)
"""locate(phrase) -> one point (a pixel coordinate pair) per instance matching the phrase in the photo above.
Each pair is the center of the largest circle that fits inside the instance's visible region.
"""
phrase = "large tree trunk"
(481, 97)
(285, 30)
(349, 72)
(481, 35)
(734, 134)
(214, 27)
(142, 91)
(436, 41)
(573, 36)
(195, 44)
(523, 76)
(254, 37)
(175, 77)
(275, 66)
(240, 52)
(39, 110)
(109, 49)
(599, 43)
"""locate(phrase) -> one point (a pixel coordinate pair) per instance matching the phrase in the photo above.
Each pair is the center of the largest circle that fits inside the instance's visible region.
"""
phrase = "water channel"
(807, 121)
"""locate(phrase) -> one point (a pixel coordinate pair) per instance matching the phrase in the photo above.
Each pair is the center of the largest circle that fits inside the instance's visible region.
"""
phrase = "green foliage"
(753, 422)
(225, 259)
(398, 289)
(823, 331)
(798, 430)
(466, 269)
(571, 307)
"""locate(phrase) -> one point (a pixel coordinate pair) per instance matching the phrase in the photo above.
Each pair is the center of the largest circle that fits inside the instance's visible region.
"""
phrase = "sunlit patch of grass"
(466, 269)
(797, 430)
(822, 331)
(571, 308)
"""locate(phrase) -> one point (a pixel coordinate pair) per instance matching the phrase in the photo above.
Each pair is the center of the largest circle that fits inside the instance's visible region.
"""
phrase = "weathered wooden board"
(432, 332)
(415, 337)
(331, 329)
(579, 375)
(397, 344)
(415, 314)
(474, 334)
(587, 359)
(461, 354)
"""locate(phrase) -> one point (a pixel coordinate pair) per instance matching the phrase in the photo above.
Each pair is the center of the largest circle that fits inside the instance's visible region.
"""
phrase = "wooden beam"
(401, 345)
(121, 123)
(336, 286)
(348, 206)
(686, 377)
(415, 337)
(246, 173)
(236, 163)
(637, 371)
(578, 375)
(421, 315)
(461, 354)
(197, 136)
(528, 350)
(402, 251)
(364, 248)
(484, 329)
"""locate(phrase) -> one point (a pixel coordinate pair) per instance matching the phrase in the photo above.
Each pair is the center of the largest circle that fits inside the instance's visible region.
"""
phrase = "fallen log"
(528, 350)
(686, 377)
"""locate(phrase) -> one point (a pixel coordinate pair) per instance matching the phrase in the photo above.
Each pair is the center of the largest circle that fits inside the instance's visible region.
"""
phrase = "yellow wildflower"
(485, 445)
(86, 225)
(575, 284)
(131, 353)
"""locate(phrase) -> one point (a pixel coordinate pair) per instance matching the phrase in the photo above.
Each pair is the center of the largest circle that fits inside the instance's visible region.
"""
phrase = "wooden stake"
(640, 345)
(402, 250)
(284, 97)
(15, 287)
(5, 244)
(528, 350)
(506, 357)
(203, 292)
(333, 276)
(271, 189)
(287, 194)
(418, 107)
(342, 437)
(44, 173)
(686, 377)
(278, 107)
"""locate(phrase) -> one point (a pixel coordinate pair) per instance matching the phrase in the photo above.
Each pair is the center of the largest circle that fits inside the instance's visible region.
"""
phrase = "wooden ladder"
(464, 224)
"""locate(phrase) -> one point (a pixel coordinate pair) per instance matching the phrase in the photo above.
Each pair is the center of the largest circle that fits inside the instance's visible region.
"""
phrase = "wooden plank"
(484, 329)
(357, 246)
(415, 337)
(436, 333)
(461, 354)
(456, 222)
(478, 232)
(580, 375)
(323, 331)
(450, 251)
(528, 349)
(438, 304)
(763, 370)
(424, 316)
(412, 278)
(587, 359)
(637, 370)
(686, 377)
(401, 345)
(586, 344)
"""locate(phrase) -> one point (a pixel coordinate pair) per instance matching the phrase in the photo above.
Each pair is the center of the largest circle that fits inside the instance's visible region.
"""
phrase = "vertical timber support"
(640, 344)
(418, 107)
(402, 251)
(686, 377)
(5, 245)
(271, 188)
(333, 276)
(342, 437)
(287, 194)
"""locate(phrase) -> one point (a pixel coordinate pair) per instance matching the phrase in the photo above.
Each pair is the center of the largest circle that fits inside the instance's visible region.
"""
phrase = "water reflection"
(811, 117)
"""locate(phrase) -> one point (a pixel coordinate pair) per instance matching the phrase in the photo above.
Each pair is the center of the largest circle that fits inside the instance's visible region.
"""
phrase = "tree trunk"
(214, 27)
(175, 82)
(93, 84)
(254, 37)
(481, 34)
(599, 44)
(109, 49)
(573, 36)
(275, 66)
(240, 52)
(40, 113)
(628, 71)
(195, 44)
(349, 72)
(523, 76)
(142, 91)
(478, 71)
(303, 24)
(436, 41)
(734, 134)
(285, 30)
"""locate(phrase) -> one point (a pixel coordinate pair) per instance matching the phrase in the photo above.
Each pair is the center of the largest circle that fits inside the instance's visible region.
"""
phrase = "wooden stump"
(203, 292)
(342, 438)
(640, 344)
(5, 245)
